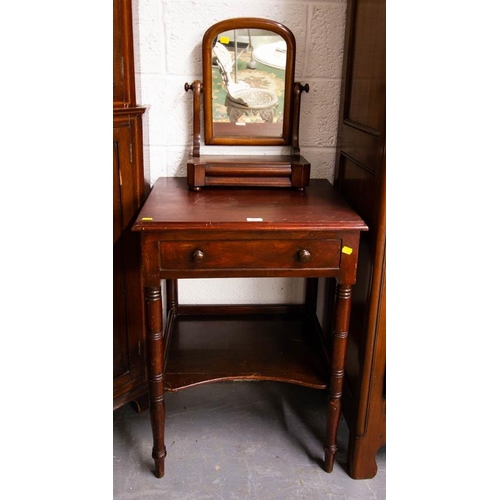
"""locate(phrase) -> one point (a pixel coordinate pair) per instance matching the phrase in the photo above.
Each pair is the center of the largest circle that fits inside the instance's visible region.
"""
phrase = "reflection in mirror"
(248, 79)
(248, 70)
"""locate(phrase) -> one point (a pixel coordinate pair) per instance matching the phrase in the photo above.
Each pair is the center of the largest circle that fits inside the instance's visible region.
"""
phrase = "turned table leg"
(339, 348)
(155, 363)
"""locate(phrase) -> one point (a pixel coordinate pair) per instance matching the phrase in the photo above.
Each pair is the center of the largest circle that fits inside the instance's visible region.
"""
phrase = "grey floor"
(238, 440)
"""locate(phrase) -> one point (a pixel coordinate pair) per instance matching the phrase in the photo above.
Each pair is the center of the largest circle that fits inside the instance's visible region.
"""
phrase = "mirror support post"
(298, 88)
(197, 88)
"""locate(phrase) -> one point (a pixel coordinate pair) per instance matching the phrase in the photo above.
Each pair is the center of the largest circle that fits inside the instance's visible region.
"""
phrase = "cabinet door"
(360, 178)
(120, 341)
(128, 326)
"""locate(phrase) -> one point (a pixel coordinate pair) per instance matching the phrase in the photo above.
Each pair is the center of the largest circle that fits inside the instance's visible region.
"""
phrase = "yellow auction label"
(347, 250)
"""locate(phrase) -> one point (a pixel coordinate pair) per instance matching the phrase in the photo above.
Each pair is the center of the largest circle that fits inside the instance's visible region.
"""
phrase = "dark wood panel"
(118, 59)
(123, 56)
(121, 360)
(365, 148)
(366, 67)
(358, 184)
(127, 138)
(117, 203)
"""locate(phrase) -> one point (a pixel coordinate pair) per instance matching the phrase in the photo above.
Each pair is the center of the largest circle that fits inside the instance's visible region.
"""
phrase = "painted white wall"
(168, 35)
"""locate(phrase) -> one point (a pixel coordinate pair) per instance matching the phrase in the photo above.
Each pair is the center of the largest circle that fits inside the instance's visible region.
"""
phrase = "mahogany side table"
(245, 232)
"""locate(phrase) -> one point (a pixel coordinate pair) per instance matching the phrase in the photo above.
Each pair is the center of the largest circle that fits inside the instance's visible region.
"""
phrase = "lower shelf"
(283, 348)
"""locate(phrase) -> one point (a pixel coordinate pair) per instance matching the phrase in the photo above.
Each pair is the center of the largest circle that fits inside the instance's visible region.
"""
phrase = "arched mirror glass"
(248, 73)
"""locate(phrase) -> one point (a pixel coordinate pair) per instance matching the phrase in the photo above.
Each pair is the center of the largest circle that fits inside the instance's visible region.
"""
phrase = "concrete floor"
(238, 440)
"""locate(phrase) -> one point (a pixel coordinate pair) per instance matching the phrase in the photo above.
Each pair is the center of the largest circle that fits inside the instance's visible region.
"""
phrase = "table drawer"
(250, 254)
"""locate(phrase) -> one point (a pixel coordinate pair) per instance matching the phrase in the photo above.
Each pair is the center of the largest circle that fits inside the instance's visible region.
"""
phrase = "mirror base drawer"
(248, 171)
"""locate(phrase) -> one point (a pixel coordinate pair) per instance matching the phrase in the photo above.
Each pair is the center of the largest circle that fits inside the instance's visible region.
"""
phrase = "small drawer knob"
(304, 255)
(197, 255)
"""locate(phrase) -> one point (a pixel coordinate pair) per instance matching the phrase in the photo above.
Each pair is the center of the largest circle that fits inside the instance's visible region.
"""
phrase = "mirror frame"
(250, 23)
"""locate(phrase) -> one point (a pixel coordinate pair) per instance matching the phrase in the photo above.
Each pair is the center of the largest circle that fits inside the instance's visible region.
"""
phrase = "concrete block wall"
(168, 36)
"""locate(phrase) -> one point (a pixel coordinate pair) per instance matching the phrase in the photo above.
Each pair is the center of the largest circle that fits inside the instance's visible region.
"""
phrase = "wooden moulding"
(248, 171)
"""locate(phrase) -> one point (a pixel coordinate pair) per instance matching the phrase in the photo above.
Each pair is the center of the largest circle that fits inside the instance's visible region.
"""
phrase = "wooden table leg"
(172, 297)
(155, 364)
(339, 349)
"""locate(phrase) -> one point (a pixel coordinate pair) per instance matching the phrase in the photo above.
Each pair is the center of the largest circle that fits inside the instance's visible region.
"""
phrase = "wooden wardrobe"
(360, 178)
(130, 186)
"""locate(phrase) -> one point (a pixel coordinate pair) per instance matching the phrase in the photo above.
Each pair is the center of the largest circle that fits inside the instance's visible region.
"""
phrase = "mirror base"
(248, 171)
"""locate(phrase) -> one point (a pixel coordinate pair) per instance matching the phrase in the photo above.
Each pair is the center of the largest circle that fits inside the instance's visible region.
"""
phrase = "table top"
(172, 205)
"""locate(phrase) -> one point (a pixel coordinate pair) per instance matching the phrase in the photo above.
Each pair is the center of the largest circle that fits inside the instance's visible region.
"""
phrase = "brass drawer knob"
(304, 255)
(197, 255)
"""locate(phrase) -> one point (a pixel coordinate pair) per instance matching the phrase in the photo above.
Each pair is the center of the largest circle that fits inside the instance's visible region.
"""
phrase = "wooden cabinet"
(360, 178)
(129, 191)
